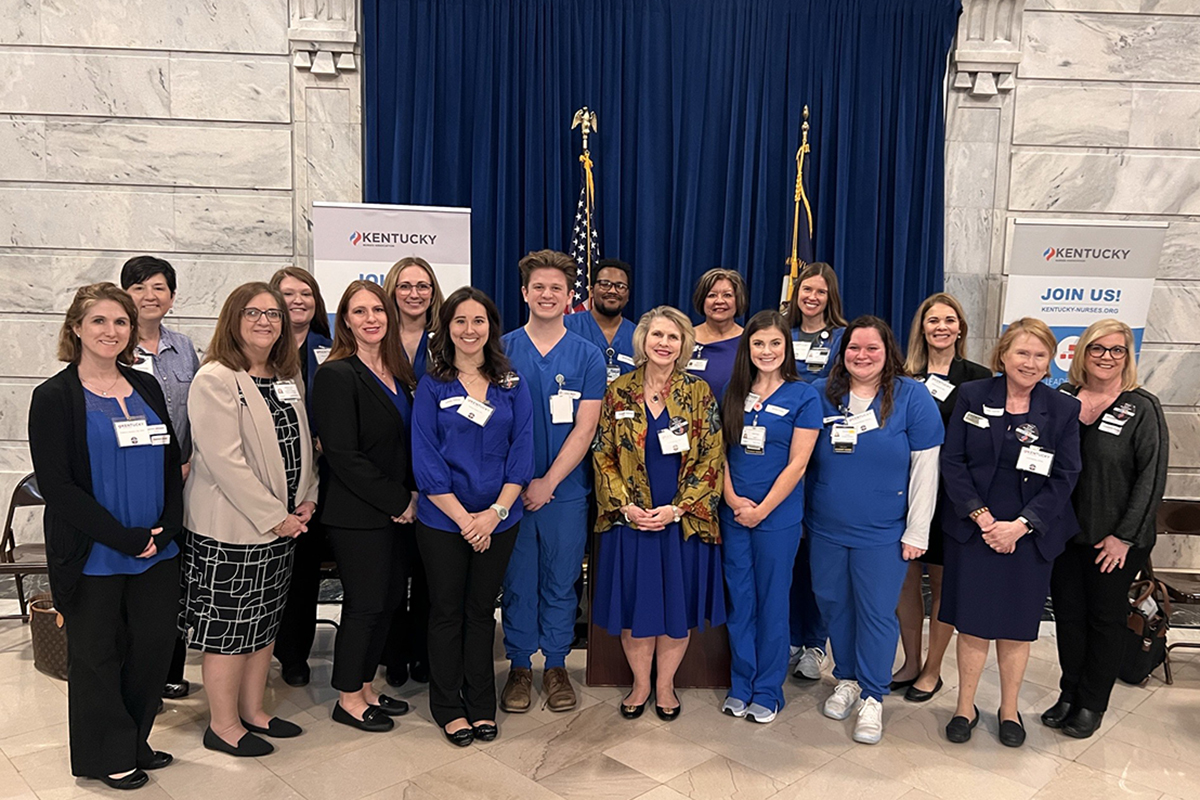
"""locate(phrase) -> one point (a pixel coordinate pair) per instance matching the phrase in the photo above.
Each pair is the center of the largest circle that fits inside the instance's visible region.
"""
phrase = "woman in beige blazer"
(251, 492)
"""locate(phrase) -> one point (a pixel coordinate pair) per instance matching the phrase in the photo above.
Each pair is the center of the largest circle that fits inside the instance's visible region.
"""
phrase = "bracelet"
(979, 512)
(675, 510)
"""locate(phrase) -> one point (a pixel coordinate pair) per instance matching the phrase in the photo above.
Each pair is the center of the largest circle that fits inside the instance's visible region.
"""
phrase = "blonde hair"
(435, 298)
(1032, 326)
(918, 347)
(1098, 330)
(687, 334)
(709, 279)
(70, 349)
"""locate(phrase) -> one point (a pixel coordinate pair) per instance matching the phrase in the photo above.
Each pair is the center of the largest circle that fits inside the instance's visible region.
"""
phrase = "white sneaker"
(868, 729)
(733, 707)
(808, 666)
(841, 702)
(794, 654)
(760, 713)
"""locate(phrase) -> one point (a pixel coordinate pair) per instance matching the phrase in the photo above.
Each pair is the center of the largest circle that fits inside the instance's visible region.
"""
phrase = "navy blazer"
(970, 456)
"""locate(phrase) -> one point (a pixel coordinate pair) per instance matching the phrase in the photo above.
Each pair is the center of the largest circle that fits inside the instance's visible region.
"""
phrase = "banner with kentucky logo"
(1070, 273)
(353, 241)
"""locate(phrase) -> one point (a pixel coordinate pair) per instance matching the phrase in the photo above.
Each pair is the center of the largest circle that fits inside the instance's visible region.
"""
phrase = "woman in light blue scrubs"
(771, 419)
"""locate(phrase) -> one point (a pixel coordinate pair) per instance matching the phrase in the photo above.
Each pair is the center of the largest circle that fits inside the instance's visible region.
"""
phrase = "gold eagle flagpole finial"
(585, 119)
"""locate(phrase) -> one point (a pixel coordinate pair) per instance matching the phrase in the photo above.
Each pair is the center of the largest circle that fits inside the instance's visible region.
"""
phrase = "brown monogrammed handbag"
(49, 636)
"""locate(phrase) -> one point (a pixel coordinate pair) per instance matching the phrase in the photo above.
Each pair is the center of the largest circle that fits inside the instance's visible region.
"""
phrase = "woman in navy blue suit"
(1009, 465)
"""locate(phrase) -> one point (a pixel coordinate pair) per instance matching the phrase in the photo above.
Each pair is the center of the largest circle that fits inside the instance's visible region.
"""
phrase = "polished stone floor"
(1146, 749)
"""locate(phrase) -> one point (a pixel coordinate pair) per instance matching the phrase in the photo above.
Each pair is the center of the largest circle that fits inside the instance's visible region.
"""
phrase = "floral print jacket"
(619, 453)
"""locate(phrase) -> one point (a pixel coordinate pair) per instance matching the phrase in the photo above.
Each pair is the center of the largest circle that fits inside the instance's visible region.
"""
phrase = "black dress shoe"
(277, 728)
(297, 674)
(174, 691)
(631, 711)
(1056, 715)
(373, 721)
(485, 732)
(249, 746)
(134, 780)
(159, 760)
(419, 671)
(1012, 734)
(397, 676)
(668, 714)
(915, 695)
(391, 706)
(896, 686)
(958, 729)
(1083, 723)
(461, 738)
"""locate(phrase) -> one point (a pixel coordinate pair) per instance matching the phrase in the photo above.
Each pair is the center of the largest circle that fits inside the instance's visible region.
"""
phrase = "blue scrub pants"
(539, 587)
(758, 575)
(807, 625)
(857, 589)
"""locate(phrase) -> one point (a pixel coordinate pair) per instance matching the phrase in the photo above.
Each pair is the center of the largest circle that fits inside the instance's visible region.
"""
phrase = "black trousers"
(408, 640)
(1091, 609)
(119, 640)
(299, 625)
(463, 586)
(374, 574)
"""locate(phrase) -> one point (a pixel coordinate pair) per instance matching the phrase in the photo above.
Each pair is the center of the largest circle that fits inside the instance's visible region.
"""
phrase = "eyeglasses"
(419, 288)
(1099, 350)
(606, 285)
(273, 315)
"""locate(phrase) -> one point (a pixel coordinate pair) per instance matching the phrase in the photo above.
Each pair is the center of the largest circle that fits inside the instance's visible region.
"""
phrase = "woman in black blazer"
(1009, 464)
(108, 466)
(362, 400)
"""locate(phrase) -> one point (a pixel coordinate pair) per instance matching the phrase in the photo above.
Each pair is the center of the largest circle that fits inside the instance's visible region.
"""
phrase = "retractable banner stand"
(353, 241)
(1070, 273)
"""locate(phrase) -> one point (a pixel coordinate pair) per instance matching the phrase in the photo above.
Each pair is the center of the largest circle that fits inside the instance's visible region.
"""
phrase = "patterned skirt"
(234, 594)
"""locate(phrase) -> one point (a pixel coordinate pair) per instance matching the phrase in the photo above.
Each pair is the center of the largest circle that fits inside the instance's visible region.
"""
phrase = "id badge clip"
(844, 438)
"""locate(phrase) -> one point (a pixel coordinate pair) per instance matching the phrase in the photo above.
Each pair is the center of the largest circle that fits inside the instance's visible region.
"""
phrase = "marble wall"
(198, 132)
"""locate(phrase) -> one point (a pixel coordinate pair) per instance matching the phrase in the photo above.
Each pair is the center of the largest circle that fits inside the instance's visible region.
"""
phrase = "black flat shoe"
(397, 676)
(631, 711)
(297, 674)
(461, 738)
(896, 686)
(174, 691)
(249, 746)
(1056, 715)
(159, 760)
(958, 729)
(134, 780)
(374, 719)
(419, 671)
(485, 732)
(391, 706)
(668, 714)
(1083, 723)
(277, 728)
(915, 695)
(1012, 734)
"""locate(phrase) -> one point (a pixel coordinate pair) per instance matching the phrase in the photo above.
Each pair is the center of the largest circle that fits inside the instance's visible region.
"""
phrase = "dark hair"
(70, 349)
(613, 263)
(226, 345)
(320, 320)
(140, 269)
(893, 366)
(441, 348)
(733, 406)
(392, 351)
(709, 279)
(833, 303)
(548, 259)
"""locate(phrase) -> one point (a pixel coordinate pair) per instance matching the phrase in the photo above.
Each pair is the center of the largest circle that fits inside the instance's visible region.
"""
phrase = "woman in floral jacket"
(659, 471)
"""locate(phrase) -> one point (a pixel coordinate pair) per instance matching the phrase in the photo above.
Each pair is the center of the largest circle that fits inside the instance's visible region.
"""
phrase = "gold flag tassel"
(801, 198)
(586, 119)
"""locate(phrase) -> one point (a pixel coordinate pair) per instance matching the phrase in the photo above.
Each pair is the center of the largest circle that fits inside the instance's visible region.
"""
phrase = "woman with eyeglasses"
(1123, 447)
(413, 285)
(252, 491)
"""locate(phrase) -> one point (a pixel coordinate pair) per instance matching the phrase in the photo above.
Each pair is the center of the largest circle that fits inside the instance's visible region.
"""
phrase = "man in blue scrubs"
(566, 381)
(604, 326)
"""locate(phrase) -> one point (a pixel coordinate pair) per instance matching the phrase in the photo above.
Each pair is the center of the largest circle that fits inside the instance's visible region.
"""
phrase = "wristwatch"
(1026, 523)
(500, 510)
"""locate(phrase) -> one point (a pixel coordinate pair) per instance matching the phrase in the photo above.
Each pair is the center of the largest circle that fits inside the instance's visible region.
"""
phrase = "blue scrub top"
(582, 369)
(793, 405)
(619, 353)
(831, 338)
(719, 369)
(453, 455)
(860, 499)
(420, 362)
(127, 481)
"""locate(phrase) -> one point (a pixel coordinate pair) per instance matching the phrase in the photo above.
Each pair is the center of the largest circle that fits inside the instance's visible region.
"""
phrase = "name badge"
(321, 353)
(754, 439)
(817, 357)
(674, 438)
(843, 438)
(993, 412)
(800, 350)
(145, 363)
(971, 418)
(697, 364)
(132, 432)
(864, 422)
(286, 391)
(562, 409)
(776, 410)
(158, 434)
(474, 410)
(1115, 430)
(939, 387)
(1111, 420)
(624, 359)
(1036, 460)
(611, 373)
(451, 402)
(627, 413)
(751, 402)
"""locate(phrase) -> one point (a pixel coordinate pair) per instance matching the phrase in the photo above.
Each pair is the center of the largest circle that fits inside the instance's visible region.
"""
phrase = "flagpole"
(585, 119)
(801, 197)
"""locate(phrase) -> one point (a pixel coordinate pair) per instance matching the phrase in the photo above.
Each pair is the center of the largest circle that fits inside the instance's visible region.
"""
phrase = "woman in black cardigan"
(362, 399)
(1123, 447)
(107, 464)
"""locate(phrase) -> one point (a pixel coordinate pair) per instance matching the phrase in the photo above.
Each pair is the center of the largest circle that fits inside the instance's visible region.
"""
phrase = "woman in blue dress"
(720, 296)
(770, 420)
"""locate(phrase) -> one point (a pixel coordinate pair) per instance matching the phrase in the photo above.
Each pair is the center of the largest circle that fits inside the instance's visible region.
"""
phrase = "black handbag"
(1146, 646)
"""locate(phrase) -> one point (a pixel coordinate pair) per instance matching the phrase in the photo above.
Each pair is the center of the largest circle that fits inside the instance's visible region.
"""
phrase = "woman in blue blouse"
(107, 464)
(720, 296)
(771, 420)
(472, 454)
(414, 287)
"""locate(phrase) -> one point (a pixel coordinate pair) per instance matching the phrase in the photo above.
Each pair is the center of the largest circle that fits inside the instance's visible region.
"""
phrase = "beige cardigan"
(237, 489)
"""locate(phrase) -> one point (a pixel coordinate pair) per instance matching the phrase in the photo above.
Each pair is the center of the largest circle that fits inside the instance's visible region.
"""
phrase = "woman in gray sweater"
(1123, 447)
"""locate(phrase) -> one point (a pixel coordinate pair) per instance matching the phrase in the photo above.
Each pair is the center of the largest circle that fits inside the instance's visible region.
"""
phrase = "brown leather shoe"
(516, 697)
(560, 695)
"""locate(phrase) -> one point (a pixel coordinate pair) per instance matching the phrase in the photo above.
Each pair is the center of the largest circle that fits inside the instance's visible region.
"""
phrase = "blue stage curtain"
(469, 102)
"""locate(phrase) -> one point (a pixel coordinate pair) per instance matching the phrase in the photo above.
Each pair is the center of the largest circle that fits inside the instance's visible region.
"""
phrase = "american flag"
(579, 249)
